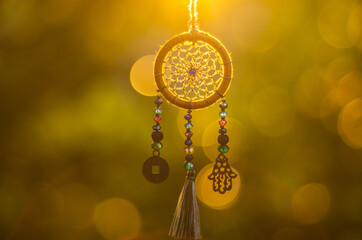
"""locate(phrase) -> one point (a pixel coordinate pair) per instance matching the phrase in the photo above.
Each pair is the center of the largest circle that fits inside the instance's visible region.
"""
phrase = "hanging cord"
(193, 23)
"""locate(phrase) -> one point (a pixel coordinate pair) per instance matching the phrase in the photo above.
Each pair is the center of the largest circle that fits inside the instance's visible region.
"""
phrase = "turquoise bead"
(223, 114)
(188, 125)
(158, 110)
(188, 165)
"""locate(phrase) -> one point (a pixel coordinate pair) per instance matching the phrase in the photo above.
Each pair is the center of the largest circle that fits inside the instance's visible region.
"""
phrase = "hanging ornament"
(193, 70)
(155, 169)
(222, 174)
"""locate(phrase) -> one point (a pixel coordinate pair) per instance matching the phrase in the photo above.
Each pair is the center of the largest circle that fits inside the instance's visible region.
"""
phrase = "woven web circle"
(193, 71)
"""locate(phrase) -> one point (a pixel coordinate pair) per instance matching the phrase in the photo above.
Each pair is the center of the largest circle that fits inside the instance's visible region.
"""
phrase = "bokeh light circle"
(311, 203)
(116, 218)
(212, 199)
(323, 55)
(310, 93)
(142, 76)
(338, 67)
(350, 123)
(336, 82)
(333, 23)
(238, 143)
(354, 25)
(349, 87)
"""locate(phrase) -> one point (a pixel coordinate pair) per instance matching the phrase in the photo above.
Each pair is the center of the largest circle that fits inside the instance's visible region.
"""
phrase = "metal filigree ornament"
(222, 175)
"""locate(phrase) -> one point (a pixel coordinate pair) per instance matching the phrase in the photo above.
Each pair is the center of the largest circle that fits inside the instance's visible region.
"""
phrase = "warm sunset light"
(91, 90)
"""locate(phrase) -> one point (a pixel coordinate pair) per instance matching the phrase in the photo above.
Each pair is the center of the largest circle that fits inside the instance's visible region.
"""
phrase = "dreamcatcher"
(193, 70)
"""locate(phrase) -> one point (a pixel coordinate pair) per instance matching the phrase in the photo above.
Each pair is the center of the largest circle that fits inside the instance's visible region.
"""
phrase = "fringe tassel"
(186, 221)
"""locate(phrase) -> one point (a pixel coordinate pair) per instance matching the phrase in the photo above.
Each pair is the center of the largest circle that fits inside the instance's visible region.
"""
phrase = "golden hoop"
(221, 83)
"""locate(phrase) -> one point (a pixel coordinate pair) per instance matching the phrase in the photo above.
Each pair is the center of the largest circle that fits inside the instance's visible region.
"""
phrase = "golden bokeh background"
(76, 119)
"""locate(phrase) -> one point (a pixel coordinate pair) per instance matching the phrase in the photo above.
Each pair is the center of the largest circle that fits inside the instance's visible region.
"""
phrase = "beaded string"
(155, 169)
(157, 135)
(223, 139)
(222, 173)
(186, 220)
(189, 149)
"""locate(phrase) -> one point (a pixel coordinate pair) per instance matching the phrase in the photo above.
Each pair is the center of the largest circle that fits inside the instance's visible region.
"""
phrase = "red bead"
(157, 119)
(189, 134)
(223, 122)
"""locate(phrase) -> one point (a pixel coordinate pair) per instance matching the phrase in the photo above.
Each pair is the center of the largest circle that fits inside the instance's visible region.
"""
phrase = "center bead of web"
(192, 72)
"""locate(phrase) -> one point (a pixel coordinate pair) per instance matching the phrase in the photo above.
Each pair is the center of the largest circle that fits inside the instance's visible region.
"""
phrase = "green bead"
(223, 114)
(188, 165)
(158, 110)
(157, 145)
(223, 148)
(188, 125)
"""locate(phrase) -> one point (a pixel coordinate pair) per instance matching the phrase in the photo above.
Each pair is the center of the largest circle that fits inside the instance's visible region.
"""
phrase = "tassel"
(186, 221)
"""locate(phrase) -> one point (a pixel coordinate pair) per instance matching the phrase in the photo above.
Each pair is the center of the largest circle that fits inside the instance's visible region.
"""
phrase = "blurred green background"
(74, 132)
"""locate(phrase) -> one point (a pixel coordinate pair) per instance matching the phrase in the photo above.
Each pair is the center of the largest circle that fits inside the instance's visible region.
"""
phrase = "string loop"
(193, 23)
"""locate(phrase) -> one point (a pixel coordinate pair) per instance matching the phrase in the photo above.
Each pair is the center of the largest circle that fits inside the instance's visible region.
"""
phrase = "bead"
(188, 125)
(189, 158)
(188, 134)
(157, 136)
(156, 127)
(157, 119)
(223, 114)
(158, 101)
(189, 150)
(223, 122)
(188, 142)
(223, 139)
(223, 105)
(158, 110)
(188, 165)
(192, 72)
(223, 148)
(188, 117)
(157, 145)
(222, 130)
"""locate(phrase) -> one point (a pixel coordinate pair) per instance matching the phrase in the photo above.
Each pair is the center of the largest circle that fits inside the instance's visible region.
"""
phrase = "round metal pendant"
(155, 169)
(193, 70)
